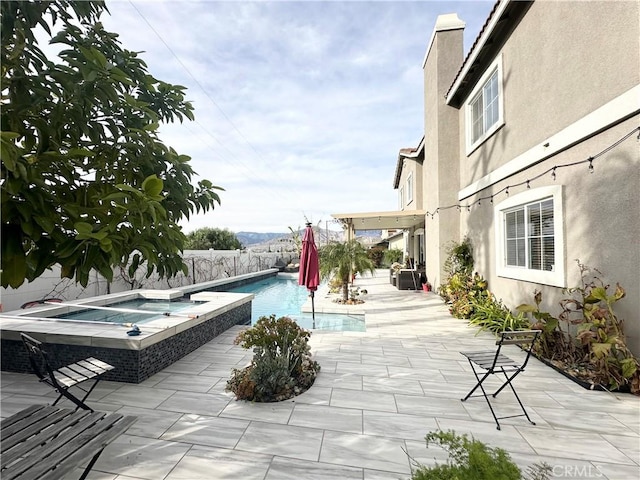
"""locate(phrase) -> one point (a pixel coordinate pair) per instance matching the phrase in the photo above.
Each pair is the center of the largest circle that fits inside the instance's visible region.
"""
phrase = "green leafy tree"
(86, 182)
(342, 260)
(216, 238)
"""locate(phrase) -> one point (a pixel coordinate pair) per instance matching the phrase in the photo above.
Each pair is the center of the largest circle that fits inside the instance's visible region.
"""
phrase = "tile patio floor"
(378, 394)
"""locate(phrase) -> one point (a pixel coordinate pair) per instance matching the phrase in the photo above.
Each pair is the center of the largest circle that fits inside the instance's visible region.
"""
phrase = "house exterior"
(531, 149)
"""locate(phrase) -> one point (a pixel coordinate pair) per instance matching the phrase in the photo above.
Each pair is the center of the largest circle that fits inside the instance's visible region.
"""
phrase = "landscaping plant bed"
(568, 371)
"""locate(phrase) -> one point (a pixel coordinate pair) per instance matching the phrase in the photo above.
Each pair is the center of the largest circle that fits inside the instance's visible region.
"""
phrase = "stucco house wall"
(441, 155)
(570, 70)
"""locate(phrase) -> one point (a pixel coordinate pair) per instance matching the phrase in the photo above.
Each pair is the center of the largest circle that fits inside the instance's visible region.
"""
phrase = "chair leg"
(515, 394)
(484, 393)
(90, 465)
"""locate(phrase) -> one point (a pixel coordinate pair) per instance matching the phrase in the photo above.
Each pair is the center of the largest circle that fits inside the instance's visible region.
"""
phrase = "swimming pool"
(284, 297)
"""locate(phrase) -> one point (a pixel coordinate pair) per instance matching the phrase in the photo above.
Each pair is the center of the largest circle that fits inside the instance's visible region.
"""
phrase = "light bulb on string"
(590, 165)
(553, 174)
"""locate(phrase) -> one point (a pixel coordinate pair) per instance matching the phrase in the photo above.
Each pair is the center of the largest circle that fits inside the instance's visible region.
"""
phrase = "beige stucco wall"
(564, 60)
(413, 167)
(601, 224)
(441, 167)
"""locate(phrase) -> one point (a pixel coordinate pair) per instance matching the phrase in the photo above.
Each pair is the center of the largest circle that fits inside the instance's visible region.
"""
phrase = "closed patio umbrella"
(309, 274)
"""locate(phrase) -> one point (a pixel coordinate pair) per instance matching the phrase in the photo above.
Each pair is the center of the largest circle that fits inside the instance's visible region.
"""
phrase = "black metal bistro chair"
(62, 379)
(493, 362)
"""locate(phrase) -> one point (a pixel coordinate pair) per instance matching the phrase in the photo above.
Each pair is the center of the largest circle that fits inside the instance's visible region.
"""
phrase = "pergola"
(400, 219)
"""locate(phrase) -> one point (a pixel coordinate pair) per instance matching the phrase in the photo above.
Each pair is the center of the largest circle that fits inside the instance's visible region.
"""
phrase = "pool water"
(284, 297)
(148, 310)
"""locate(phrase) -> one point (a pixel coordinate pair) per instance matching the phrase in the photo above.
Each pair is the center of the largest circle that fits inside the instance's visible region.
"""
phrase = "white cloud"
(301, 107)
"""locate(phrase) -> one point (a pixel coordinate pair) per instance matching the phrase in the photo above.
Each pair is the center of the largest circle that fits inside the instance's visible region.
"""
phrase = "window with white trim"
(410, 188)
(484, 109)
(530, 238)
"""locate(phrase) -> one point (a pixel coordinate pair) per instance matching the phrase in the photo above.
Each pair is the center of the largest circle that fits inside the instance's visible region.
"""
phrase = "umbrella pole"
(313, 309)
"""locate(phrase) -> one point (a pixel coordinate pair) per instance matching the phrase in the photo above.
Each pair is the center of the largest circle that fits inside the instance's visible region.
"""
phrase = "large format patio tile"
(205, 430)
(283, 440)
(192, 402)
(190, 383)
(141, 457)
(150, 422)
(327, 418)
(367, 451)
(265, 412)
(397, 425)
(364, 400)
(137, 396)
(430, 406)
(292, 469)
(208, 463)
(592, 447)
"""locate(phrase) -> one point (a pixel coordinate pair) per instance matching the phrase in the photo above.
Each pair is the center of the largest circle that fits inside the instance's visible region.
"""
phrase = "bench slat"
(39, 446)
(7, 422)
(87, 373)
(60, 446)
(97, 364)
(31, 425)
(91, 448)
(76, 419)
(83, 445)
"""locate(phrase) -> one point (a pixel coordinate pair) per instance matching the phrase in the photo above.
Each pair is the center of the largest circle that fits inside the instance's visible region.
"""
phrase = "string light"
(551, 170)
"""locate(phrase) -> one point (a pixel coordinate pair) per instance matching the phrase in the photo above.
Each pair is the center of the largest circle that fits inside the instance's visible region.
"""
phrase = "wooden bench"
(62, 379)
(46, 443)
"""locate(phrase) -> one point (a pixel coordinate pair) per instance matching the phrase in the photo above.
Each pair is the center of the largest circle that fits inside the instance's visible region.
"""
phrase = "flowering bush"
(281, 366)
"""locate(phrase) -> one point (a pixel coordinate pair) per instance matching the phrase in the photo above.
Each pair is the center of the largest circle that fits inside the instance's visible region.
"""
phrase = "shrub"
(492, 315)
(281, 366)
(392, 255)
(470, 459)
(593, 347)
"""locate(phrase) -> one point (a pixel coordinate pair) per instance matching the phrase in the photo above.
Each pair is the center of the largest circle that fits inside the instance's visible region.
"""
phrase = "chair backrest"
(38, 357)
(526, 339)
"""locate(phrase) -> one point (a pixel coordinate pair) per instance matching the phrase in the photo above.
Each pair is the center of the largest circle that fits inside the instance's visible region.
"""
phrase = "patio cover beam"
(400, 219)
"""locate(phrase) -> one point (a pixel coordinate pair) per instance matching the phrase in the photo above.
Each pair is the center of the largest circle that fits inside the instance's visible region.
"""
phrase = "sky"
(300, 107)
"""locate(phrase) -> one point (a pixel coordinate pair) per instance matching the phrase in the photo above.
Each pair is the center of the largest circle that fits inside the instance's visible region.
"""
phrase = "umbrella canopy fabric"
(309, 274)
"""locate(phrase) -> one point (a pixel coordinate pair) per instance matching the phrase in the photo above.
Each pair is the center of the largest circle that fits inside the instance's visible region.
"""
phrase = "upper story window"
(401, 198)
(530, 238)
(484, 109)
(410, 188)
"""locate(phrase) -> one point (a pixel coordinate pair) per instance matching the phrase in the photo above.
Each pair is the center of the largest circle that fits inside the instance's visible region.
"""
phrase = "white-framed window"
(530, 236)
(401, 198)
(410, 188)
(484, 110)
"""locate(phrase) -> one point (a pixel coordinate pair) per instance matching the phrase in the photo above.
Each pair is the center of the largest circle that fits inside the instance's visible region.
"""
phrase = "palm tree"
(343, 260)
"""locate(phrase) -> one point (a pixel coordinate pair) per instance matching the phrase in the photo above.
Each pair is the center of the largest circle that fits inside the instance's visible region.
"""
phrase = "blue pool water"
(284, 297)
(149, 310)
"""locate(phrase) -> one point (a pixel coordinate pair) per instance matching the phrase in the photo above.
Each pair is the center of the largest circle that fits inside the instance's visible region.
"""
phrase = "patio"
(378, 394)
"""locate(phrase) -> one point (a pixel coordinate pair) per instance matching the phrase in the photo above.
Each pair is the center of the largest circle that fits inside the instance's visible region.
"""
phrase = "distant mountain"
(253, 238)
(271, 241)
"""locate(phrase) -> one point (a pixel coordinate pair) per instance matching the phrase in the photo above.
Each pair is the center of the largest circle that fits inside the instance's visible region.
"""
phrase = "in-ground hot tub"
(163, 340)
